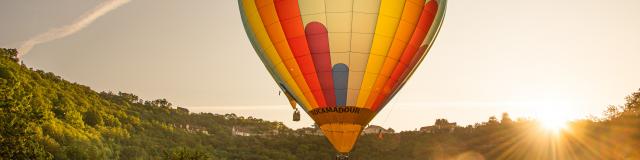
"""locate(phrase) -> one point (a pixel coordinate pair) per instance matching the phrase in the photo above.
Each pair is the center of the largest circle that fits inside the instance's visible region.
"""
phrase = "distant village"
(192, 129)
(440, 126)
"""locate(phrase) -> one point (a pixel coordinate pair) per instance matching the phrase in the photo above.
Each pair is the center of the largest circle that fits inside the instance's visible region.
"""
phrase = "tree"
(506, 119)
(182, 110)
(493, 121)
(441, 122)
(18, 119)
(93, 118)
(632, 106)
(11, 54)
(183, 153)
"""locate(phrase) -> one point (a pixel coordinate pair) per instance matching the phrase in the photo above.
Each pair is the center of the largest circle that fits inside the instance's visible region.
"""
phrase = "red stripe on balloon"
(411, 53)
(289, 16)
(318, 39)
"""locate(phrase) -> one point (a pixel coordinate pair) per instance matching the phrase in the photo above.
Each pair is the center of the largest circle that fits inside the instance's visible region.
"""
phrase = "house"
(441, 126)
(192, 128)
(313, 130)
(240, 131)
(310, 131)
(374, 129)
(250, 131)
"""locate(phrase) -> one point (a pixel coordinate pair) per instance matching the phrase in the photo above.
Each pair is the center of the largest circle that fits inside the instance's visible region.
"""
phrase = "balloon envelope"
(341, 60)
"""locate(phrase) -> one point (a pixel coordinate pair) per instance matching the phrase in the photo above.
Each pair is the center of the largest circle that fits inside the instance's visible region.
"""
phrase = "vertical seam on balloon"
(322, 89)
(369, 55)
(299, 47)
(357, 87)
(326, 18)
(278, 56)
(317, 38)
(398, 72)
(326, 21)
(435, 35)
(365, 93)
(440, 14)
(373, 93)
(283, 49)
(304, 103)
(350, 46)
(406, 73)
(401, 77)
(259, 51)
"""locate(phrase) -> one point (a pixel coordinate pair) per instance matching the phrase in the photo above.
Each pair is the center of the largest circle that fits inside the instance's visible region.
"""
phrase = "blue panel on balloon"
(340, 82)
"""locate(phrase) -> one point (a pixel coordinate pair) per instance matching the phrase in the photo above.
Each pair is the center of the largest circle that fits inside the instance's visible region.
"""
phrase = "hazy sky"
(574, 57)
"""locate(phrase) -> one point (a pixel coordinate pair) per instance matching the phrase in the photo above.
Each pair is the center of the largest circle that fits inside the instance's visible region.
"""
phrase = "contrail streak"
(77, 25)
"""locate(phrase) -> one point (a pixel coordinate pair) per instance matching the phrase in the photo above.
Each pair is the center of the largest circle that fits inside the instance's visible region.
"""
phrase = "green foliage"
(19, 120)
(11, 54)
(182, 153)
(93, 118)
(43, 116)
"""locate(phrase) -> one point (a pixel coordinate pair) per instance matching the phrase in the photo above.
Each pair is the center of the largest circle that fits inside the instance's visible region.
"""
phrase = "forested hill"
(43, 116)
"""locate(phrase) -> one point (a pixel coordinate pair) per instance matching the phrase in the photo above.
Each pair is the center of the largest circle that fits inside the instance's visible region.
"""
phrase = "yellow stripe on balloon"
(264, 39)
(428, 42)
(386, 26)
(363, 25)
(410, 17)
(269, 17)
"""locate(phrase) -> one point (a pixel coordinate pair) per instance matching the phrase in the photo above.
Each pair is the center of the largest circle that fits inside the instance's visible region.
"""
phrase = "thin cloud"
(81, 22)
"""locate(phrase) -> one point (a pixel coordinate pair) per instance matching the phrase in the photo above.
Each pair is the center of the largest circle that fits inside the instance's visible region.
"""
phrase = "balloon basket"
(342, 156)
(296, 115)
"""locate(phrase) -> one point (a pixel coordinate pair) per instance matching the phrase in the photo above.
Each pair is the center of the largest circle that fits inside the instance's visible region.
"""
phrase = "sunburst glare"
(553, 115)
(553, 123)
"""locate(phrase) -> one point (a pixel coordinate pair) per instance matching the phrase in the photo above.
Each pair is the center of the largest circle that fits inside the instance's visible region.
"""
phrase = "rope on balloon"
(390, 111)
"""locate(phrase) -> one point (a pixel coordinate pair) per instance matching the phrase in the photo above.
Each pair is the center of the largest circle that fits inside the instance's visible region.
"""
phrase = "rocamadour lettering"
(336, 110)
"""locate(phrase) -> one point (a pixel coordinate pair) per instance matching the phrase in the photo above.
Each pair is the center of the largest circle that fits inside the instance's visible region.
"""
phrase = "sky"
(569, 58)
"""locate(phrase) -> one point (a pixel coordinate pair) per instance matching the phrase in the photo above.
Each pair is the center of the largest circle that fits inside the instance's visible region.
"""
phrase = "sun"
(553, 115)
(553, 124)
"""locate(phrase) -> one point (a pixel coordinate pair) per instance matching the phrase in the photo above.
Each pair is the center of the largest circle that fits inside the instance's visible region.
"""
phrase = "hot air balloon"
(341, 60)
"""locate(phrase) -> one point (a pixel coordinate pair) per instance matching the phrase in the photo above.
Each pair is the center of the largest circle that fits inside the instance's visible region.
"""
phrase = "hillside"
(43, 116)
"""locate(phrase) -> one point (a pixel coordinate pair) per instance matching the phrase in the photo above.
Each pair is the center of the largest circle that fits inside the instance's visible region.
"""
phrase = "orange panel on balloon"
(341, 60)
